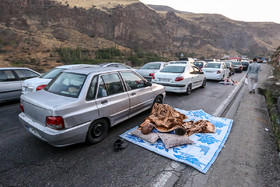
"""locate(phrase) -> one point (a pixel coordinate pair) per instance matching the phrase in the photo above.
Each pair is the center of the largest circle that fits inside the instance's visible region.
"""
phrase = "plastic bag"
(246, 81)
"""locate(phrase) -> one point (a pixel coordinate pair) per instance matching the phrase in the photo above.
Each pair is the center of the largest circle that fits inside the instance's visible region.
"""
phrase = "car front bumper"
(57, 138)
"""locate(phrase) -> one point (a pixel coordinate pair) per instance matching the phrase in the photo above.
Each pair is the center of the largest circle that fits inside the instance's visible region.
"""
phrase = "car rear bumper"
(57, 138)
(214, 76)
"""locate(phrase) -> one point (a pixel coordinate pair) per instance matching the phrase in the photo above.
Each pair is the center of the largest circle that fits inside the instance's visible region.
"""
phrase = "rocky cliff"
(37, 26)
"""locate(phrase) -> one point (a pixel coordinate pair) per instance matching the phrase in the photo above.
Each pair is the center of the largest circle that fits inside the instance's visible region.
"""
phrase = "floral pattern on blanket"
(200, 155)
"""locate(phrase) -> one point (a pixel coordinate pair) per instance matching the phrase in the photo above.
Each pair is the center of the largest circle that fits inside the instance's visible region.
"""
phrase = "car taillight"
(179, 78)
(41, 87)
(21, 107)
(55, 122)
(151, 74)
(218, 72)
(240, 67)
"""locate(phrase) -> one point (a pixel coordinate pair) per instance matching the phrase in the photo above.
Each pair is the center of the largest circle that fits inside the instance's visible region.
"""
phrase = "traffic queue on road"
(79, 103)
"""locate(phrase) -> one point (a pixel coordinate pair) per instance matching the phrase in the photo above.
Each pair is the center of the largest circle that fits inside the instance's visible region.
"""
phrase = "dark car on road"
(245, 65)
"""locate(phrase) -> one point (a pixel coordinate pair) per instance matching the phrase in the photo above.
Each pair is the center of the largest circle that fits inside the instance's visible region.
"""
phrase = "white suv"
(38, 83)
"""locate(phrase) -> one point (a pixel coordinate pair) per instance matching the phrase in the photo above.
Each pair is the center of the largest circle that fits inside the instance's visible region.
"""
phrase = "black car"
(230, 67)
(245, 65)
(199, 64)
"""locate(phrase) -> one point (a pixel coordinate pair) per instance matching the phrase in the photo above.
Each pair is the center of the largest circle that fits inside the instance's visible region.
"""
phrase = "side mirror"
(201, 72)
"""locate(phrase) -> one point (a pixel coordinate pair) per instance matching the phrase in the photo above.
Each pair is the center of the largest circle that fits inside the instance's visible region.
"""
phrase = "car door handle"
(104, 102)
(133, 93)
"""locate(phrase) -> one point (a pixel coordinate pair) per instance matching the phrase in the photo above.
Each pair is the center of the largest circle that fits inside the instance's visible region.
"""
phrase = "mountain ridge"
(129, 25)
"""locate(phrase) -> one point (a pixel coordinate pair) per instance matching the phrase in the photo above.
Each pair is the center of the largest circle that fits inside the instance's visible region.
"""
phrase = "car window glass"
(25, 74)
(213, 65)
(67, 84)
(173, 69)
(102, 90)
(92, 88)
(132, 80)
(52, 73)
(151, 66)
(191, 70)
(196, 70)
(113, 83)
(6, 75)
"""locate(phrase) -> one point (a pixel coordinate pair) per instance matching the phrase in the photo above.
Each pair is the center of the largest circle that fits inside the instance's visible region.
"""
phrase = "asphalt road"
(27, 161)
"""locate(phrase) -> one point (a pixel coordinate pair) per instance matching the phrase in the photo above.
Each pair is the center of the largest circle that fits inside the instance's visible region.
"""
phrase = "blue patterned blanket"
(200, 155)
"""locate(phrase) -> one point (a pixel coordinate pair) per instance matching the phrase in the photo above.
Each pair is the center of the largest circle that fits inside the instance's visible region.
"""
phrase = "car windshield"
(151, 66)
(67, 84)
(173, 69)
(213, 65)
(245, 63)
(52, 73)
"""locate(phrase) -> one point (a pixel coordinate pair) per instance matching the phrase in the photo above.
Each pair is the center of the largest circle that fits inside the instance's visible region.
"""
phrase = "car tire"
(158, 99)
(189, 89)
(97, 131)
(203, 83)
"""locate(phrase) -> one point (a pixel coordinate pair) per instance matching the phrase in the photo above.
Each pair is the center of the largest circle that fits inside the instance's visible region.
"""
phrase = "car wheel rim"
(159, 100)
(97, 130)
(189, 89)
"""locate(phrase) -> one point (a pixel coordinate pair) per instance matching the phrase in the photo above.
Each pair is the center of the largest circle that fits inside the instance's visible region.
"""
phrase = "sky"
(241, 10)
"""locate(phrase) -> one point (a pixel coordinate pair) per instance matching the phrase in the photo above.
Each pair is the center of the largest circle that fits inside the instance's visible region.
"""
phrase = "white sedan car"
(38, 83)
(215, 70)
(180, 78)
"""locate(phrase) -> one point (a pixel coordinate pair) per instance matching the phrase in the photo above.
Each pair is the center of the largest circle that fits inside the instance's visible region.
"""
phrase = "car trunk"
(167, 77)
(38, 106)
(146, 72)
(210, 70)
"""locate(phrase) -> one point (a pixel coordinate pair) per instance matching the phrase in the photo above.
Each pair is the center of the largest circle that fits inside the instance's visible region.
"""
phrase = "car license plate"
(34, 132)
(163, 80)
(209, 71)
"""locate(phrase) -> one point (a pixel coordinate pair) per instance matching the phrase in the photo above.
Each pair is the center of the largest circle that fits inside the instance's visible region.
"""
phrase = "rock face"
(134, 25)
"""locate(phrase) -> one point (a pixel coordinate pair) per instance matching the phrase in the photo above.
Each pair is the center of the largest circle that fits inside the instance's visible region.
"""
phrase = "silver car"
(11, 79)
(149, 69)
(82, 104)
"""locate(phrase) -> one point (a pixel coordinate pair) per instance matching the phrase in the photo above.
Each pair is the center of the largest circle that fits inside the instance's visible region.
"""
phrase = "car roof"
(75, 65)
(215, 62)
(13, 68)
(96, 70)
(183, 65)
(155, 62)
